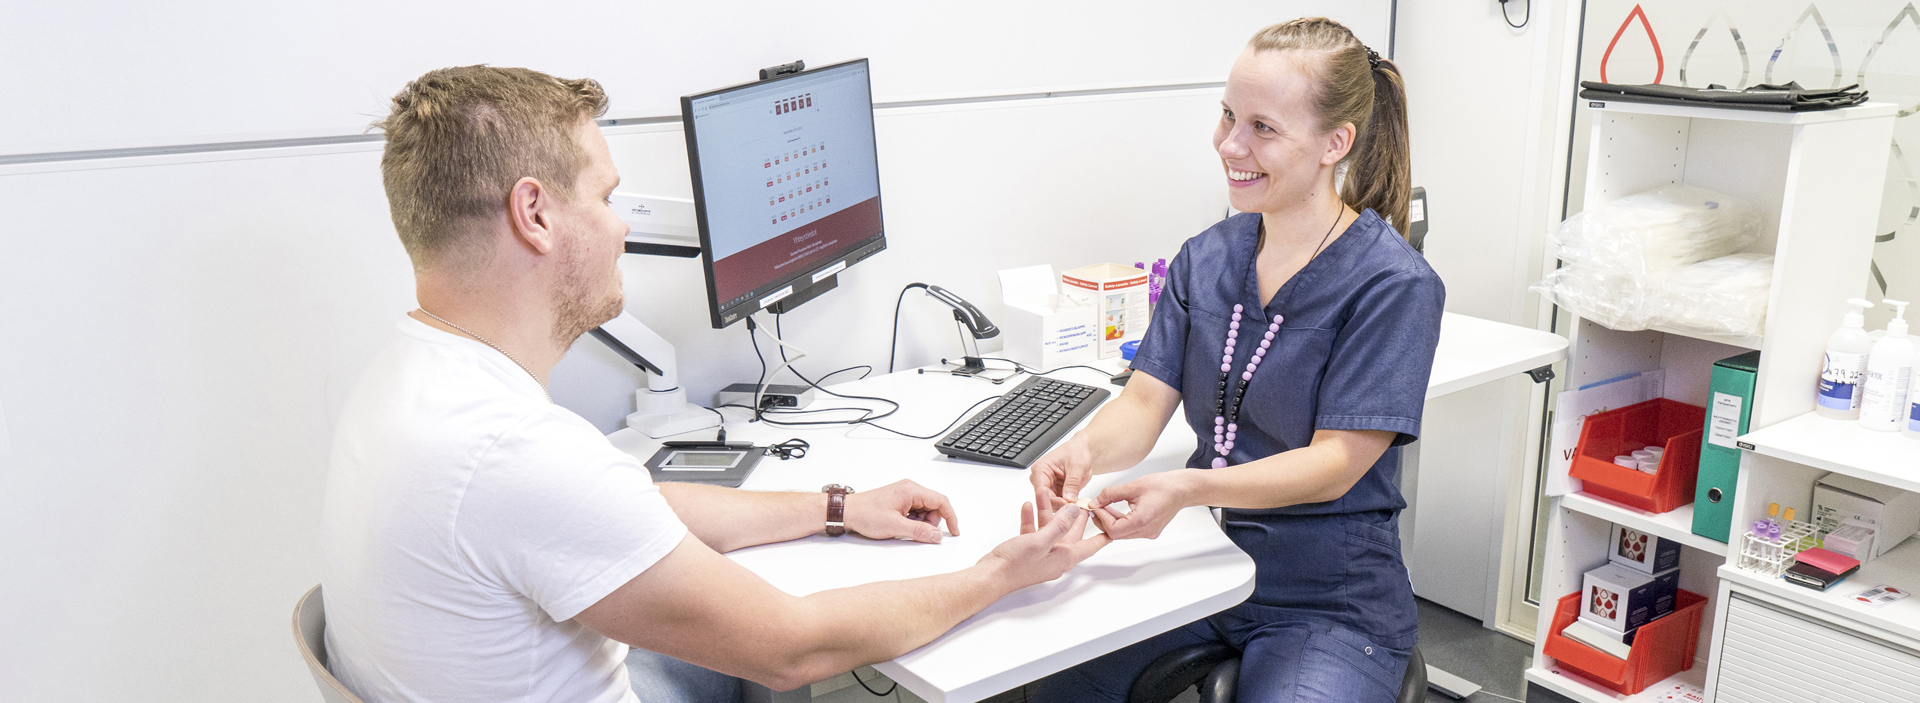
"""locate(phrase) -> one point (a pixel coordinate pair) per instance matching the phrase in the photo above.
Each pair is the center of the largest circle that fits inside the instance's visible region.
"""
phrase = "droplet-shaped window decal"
(1786, 43)
(1902, 174)
(1912, 18)
(1660, 63)
(1739, 47)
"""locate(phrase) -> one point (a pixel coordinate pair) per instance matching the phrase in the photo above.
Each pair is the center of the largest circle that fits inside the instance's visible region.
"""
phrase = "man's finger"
(1062, 521)
(1079, 528)
(1086, 547)
(923, 532)
(1026, 518)
(1043, 497)
(936, 504)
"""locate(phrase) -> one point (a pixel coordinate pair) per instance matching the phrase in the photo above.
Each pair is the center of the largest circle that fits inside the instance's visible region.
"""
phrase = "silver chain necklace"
(496, 347)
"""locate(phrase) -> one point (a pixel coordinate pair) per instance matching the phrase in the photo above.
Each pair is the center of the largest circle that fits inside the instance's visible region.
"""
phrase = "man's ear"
(1339, 143)
(530, 208)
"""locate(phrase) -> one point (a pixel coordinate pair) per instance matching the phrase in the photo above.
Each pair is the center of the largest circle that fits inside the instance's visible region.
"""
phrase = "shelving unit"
(1815, 178)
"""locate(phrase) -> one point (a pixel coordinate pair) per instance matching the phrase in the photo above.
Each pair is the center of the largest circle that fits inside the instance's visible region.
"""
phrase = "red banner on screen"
(795, 250)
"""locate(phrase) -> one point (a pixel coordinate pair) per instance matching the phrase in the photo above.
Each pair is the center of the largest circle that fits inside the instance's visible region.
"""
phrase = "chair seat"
(1215, 668)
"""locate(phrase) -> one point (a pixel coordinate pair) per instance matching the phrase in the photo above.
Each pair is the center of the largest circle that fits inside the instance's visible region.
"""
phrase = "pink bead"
(1264, 343)
(1228, 447)
(1226, 359)
(1219, 462)
(1237, 307)
(1236, 317)
(1219, 448)
(1233, 427)
(1277, 319)
(1230, 436)
(1269, 335)
(1233, 334)
(1257, 353)
(1225, 368)
(1233, 325)
(1246, 376)
(1219, 420)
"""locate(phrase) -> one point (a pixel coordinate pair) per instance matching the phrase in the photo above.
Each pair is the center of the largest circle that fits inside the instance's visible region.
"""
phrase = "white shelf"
(1676, 524)
(1899, 568)
(1747, 342)
(1843, 447)
(1577, 688)
(1861, 111)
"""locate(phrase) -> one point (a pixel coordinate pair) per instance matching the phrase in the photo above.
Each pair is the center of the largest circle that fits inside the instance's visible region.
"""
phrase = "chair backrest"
(310, 635)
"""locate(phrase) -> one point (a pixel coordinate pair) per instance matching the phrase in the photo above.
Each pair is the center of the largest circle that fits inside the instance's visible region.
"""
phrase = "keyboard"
(1023, 424)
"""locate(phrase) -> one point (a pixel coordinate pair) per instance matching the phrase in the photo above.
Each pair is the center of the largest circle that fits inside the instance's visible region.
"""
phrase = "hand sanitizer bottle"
(1883, 400)
(1846, 363)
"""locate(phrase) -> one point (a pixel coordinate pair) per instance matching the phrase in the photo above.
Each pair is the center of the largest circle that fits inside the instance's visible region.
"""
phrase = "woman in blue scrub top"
(1299, 336)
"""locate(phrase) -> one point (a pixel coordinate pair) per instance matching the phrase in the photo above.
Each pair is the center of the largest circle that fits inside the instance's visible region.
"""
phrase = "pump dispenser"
(1846, 364)
(1883, 399)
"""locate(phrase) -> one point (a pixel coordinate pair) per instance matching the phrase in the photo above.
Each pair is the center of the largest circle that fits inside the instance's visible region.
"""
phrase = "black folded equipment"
(1773, 98)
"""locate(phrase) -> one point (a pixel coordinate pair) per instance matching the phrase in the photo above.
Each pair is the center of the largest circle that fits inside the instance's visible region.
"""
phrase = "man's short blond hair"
(457, 141)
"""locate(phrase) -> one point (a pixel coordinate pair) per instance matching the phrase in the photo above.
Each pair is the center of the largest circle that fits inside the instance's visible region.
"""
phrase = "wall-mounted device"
(660, 409)
(658, 225)
(786, 185)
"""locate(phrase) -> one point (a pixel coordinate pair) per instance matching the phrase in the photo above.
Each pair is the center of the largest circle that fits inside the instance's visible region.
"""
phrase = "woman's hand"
(1060, 474)
(1153, 500)
(900, 509)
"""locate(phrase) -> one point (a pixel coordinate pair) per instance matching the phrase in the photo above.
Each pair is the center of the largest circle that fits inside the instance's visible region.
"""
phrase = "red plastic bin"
(1660, 649)
(1667, 423)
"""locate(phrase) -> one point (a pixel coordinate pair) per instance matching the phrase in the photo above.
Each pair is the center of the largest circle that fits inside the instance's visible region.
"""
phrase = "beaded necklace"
(1225, 429)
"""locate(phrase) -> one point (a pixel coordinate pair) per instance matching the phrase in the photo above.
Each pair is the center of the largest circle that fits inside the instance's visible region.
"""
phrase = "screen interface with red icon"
(786, 179)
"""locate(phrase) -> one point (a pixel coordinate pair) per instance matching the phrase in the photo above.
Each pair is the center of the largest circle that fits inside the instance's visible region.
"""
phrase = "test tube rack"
(1774, 556)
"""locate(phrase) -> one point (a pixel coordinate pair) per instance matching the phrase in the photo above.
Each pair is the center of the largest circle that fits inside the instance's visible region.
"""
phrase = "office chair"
(310, 635)
(1216, 668)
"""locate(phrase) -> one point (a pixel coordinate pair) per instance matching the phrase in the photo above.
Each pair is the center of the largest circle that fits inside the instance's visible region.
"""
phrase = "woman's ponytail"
(1356, 85)
(1380, 168)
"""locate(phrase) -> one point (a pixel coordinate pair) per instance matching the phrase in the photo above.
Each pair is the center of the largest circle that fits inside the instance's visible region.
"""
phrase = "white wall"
(1481, 106)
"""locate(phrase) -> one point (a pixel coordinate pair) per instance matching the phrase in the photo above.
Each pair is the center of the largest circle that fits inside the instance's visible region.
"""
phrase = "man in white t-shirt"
(482, 543)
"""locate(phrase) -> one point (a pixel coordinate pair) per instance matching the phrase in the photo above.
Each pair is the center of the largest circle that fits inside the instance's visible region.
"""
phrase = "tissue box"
(1623, 599)
(1039, 327)
(1893, 514)
(1642, 552)
(1118, 296)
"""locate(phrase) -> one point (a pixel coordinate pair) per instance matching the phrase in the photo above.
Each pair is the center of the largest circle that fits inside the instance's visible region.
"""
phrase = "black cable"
(893, 342)
(1524, 19)
(868, 417)
(863, 684)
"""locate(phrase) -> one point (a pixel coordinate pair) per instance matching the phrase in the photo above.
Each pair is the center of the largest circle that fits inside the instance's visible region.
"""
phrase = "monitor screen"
(786, 186)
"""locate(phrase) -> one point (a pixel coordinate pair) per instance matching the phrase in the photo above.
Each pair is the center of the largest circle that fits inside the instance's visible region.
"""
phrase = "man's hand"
(901, 509)
(1060, 475)
(1152, 500)
(1044, 554)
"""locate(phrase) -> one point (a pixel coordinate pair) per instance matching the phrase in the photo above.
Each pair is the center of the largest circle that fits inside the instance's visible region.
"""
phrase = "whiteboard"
(77, 77)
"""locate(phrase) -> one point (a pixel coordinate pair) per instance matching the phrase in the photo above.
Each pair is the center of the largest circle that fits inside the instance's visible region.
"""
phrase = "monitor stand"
(801, 296)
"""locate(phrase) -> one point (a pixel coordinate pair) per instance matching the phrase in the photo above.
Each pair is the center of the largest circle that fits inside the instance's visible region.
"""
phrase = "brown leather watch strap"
(836, 509)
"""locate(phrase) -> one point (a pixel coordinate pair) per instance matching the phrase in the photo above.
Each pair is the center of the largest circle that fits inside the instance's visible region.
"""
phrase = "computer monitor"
(786, 186)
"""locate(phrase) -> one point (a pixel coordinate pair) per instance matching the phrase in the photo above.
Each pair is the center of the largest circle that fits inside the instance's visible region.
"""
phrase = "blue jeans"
(1293, 661)
(658, 678)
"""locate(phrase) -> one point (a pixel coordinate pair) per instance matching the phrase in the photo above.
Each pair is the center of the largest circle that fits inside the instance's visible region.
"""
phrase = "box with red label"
(1623, 599)
(1641, 551)
(1118, 296)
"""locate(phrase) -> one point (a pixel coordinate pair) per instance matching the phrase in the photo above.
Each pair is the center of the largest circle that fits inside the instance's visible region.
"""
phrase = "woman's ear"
(1339, 143)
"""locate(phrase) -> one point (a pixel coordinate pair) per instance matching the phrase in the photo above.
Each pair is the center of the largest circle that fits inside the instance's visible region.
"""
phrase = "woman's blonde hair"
(1353, 84)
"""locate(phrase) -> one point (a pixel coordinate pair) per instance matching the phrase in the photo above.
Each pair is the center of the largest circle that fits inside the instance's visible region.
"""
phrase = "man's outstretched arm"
(727, 519)
(702, 608)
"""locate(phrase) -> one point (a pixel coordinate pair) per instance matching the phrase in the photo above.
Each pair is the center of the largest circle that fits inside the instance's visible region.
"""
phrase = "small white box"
(1642, 552)
(1623, 599)
(1039, 327)
(1893, 514)
(1118, 296)
(1606, 639)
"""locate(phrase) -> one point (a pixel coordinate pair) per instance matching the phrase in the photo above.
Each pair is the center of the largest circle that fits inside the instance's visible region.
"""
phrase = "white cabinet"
(1817, 179)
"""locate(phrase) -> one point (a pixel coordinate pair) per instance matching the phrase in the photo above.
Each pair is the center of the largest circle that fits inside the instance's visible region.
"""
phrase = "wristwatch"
(836, 508)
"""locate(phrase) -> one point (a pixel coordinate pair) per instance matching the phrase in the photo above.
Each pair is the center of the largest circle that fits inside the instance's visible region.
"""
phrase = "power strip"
(777, 395)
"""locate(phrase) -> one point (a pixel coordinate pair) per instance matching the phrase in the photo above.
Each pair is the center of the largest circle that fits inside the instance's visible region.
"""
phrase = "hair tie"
(1373, 60)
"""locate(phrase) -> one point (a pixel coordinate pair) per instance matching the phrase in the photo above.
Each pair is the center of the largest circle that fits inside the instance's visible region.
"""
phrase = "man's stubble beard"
(579, 304)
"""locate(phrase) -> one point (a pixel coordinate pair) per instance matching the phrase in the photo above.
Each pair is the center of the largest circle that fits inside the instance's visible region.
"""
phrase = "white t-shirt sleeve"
(557, 514)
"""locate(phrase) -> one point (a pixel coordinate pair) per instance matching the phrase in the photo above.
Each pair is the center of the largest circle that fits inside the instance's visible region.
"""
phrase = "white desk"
(1130, 591)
